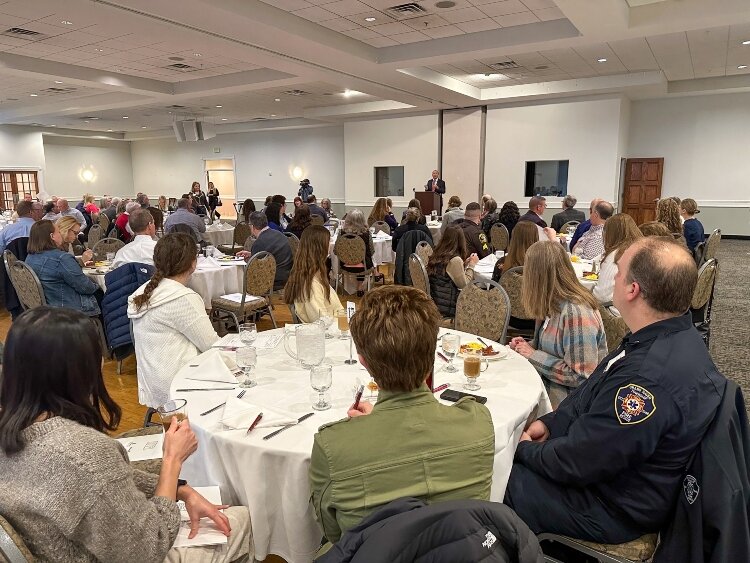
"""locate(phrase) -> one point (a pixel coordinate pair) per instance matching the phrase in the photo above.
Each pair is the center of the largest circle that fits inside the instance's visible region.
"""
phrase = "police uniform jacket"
(628, 432)
(476, 239)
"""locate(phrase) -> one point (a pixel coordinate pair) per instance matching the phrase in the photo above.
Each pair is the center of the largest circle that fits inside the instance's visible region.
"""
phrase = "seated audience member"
(569, 213)
(691, 228)
(585, 226)
(629, 487)
(122, 221)
(413, 203)
(537, 205)
(271, 241)
(381, 211)
(668, 212)
(162, 206)
(325, 203)
(308, 288)
(316, 209)
(69, 231)
(654, 229)
(354, 224)
(490, 216)
(28, 213)
(569, 341)
(170, 324)
(412, 216)
(509, 216)
(63, 281)
(111, 211)
(297, 202)
(284, 219)
(248, 206)
(426, 449)
(266, 203)
(591, 243)
(273, 216)
(51, 211)
(300, 221)
(620, 232)
(55, 412)
(476, 240)
(453, 213)
(527, 234)
(143, 201)
(141, 248)
(66, 210)
(450, 269)
(183, 216)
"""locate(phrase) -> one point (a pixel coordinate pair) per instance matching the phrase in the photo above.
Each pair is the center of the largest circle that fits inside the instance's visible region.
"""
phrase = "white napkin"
(213, 367)
(241, 414)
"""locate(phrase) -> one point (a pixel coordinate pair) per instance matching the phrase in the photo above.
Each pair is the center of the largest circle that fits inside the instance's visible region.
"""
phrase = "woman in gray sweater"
(67, 488)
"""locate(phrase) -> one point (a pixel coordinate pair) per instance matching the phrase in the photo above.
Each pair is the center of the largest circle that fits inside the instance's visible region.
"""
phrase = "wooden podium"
(430, 201)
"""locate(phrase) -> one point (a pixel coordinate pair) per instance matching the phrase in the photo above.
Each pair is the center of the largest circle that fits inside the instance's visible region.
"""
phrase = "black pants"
(546, 506)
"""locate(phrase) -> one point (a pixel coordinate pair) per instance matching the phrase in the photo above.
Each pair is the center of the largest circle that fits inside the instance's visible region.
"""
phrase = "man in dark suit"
(537, 205)
(567, 214)
(272, 241)
(435, 184)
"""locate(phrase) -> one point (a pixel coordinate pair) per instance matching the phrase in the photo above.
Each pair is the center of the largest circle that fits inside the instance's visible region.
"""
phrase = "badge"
(483, 240)
(634, 404)
(691, 488)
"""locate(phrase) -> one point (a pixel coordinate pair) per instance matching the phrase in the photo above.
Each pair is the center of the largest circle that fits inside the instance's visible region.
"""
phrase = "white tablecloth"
(486, 265)
(217, 234)
(271, 477)
(435, 231)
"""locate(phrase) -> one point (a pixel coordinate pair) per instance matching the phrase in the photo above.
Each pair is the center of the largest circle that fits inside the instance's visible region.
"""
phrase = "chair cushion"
(641, 549)
(234, 307)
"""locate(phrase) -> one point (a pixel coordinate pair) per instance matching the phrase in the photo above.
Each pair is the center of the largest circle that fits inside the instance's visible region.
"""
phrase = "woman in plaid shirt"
(569, 341)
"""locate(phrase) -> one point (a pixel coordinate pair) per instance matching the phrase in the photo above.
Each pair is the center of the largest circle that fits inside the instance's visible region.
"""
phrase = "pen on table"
(441, 387)
(440, 355)
(358, 397)
(254, 424)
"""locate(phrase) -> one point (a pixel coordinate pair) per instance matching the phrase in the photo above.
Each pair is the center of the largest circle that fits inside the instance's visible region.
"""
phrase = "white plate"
(502, 352)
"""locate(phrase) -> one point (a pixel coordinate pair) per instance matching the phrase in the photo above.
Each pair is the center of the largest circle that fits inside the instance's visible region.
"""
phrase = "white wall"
(411, 142)
(167, 167)
(586, 132)
(462, 133)
(21, 149)
(67, 157)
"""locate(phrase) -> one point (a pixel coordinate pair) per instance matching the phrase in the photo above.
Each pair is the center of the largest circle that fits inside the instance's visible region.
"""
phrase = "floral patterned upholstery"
(499, 236)
(511, 281)
(350, 249)
(418, 274)
(149, 465)
(12, 546)
(712, 245)
(568, 225)
(105, 246)
(483, 312)
(381, 226)
(424, 251)
(614, 327)
(241, 234)
(640, 550)
(104, 222)
(259, 276)
(293, 242)
(27, 285)
(95, 234)
(706, 277)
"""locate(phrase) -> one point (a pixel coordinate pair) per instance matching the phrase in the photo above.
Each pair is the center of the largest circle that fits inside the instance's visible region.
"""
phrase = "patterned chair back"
(712, 246)
(104, 222)
(12, 546)
(259, 275)
(511, 281)
(317, 220)
(9, 259)
(484, 312)
(424, 251)
(27, 285)
(95, 234)
(350, 249)
(293, 242)
(381, 226)
(499, 236)
(418, 273)
(568, 225)
(241, 233)
(614, 327)
(705, 286)
(105, 246)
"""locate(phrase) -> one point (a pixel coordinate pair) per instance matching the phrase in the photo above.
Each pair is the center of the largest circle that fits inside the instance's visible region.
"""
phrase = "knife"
(205, 389)
(209, 380)
(300, 419)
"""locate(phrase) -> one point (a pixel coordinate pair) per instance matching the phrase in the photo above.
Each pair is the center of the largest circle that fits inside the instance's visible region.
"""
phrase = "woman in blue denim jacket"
(63, 281)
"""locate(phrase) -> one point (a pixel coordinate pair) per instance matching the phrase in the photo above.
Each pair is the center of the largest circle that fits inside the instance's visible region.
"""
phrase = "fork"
(209, 411)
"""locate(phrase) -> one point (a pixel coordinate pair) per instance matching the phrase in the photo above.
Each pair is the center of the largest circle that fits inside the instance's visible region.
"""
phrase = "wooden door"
(642, 188)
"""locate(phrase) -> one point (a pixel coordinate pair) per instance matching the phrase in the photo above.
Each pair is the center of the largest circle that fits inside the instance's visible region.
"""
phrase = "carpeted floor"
(730, 325)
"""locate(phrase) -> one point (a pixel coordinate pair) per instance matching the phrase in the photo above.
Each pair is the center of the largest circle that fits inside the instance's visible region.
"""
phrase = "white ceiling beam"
(357, 109)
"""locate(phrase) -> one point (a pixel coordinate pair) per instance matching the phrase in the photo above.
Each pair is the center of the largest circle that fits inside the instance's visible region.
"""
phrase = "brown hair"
(309, 263)
(668, 212)
(620, 231)
(525, 234)
(395, 330)
(688, 205)
(452, 243)
(549, 280)
(248, 206)
(666, 274)
(454, 201)
(654, 229)
(302, 218)
(174, 254)
(415, 203)
(490, 205)
(412, 215)
(40, 237)
(379, 211)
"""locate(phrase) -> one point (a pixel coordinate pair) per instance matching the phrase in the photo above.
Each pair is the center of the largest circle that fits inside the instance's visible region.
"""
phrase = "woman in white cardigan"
(170, 324)
(620, 231)
(308, 288)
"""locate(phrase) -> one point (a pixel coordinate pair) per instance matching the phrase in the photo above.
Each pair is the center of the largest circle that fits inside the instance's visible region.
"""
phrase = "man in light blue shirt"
(29, 212)
(65, 210)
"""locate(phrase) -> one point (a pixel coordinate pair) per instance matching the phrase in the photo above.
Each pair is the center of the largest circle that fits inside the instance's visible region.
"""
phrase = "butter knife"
(300, 419)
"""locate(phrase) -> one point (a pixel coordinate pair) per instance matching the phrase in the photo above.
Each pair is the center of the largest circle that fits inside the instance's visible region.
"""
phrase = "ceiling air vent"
(21, 33)
(296, 93)
(504, 65)
(56, 91)
(404, 11)
(258, 119)
(175, 106)
(182, 67)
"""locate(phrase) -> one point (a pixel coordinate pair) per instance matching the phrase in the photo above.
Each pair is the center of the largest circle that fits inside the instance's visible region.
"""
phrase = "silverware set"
(217, 407)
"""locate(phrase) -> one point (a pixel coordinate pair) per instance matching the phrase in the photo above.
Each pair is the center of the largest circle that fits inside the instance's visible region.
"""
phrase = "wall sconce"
(87, 174)
(297, 173)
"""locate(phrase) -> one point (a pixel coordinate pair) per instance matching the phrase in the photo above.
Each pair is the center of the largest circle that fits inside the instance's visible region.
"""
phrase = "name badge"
(546, 322)
(613, 360)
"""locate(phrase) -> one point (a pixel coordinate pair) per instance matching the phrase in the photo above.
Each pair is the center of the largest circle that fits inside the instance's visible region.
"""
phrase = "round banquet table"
(271, 476)
(435, 231)
(219, 235)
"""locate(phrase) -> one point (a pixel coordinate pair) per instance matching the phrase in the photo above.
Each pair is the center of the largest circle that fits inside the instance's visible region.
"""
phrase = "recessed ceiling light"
(58, 81)
(370, 19)
(125, 117)
(602, 60)
(223, 118)
(747, 42)
(742, 67)
(273, 115)
(66, 22)
(277, 99)
(144, 127)
(109, 130)
(197, 55)
(219, 106)
(33, 95)
(98, 50)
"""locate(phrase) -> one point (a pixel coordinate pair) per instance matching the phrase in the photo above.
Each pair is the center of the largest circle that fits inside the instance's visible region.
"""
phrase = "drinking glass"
(451, 344)
(473, 366)
(325, 320)
(321, 379)
(343, 321)
(172, 409)
(571, 231)
(246, 360)
(110, 257)
(248, 333)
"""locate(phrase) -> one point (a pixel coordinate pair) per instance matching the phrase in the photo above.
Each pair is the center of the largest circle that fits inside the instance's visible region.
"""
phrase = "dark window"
(547, 178)
(389, 181)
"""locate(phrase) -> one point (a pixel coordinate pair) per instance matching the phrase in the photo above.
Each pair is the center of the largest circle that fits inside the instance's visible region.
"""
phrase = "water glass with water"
(247, 357)
(248, 333)
(321, 380)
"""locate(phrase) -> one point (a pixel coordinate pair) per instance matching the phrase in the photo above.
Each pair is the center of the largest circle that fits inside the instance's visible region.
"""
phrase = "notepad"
(208, 534)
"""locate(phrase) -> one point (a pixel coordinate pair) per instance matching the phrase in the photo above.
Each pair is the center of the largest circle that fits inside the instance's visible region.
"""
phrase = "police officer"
(606, 466)
(476, 238)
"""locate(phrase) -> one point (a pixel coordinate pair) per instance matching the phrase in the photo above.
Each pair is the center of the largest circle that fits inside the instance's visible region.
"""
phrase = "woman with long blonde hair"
(620, 231)
(69, 229)
(569, 341)
(668, 212)
(381, 211)
(308, 288)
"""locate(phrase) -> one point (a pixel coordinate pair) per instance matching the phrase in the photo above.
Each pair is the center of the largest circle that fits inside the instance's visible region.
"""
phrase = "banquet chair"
(293, 310)
(104, 223)
(147, 465)
(712, 246)
(561, 549)
(27, 285)
(381, 226)
(511, 283)
(703, 297)
(350, 250)
(12, 547)
(187, 229)
(698, 253)
(419, 278)
(333, 222)
(317, 220)
(484, 312)
(257, 288)
(293, 242)
(241, 234)
(568, 225)
(424, 251)
(499, 236)
(105, 246)
(95, 235)
(615, 328)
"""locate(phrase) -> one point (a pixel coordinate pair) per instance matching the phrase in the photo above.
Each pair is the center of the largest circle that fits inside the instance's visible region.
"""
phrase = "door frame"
(234, 170)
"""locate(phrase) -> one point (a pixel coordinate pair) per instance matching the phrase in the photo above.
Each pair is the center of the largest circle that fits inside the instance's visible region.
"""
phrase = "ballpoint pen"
(254, 424)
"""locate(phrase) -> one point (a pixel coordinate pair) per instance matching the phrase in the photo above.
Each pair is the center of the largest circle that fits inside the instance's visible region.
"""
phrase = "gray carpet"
(730, 324)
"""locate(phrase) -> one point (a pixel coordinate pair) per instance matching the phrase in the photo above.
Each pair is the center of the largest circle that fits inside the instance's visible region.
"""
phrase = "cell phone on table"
(453, 396)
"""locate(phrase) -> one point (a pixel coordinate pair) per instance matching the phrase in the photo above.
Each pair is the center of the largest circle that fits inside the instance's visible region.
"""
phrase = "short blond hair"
(395, 330)
(66, 224)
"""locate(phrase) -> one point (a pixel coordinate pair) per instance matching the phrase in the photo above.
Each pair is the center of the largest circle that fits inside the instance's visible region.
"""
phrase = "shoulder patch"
(634, 404)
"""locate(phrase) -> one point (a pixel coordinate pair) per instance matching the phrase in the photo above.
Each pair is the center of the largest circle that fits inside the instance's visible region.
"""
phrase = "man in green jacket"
(408, 444)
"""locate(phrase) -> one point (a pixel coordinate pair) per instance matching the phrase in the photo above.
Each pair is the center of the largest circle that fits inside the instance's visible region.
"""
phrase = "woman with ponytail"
(170, 324)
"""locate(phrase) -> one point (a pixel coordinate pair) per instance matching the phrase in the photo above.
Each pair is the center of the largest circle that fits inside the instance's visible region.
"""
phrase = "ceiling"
(128, 68)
